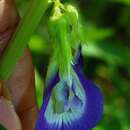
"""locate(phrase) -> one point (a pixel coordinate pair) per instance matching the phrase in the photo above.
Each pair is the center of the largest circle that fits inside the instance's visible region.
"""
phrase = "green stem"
(24, 31)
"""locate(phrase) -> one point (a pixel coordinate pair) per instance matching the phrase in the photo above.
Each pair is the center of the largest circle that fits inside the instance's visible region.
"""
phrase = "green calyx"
(73, 20)
(59, 34)
(63, 29)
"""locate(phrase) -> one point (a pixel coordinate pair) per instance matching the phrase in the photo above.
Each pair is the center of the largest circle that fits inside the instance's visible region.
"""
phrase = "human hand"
(18, 107)
(17, 98)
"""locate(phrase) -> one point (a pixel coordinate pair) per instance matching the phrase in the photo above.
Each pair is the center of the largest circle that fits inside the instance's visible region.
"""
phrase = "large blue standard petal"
(89, 118)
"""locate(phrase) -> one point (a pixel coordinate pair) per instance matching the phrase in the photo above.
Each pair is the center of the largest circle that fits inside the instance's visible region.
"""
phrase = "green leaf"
(39, 88)
(111, 53)
(37, 44)
(126, 2)
(2, 127)
(90, 32)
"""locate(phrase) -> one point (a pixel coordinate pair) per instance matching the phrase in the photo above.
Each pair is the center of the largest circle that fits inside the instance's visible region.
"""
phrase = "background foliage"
(106, 28)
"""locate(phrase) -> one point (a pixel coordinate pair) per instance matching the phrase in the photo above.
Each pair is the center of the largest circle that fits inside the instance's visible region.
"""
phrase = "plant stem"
(19, 41)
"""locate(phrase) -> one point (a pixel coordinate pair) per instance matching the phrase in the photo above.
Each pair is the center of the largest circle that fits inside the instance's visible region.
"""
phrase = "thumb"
(8, 116)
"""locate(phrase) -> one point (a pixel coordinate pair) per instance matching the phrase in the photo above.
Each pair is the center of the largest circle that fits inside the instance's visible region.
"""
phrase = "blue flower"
(75, 106)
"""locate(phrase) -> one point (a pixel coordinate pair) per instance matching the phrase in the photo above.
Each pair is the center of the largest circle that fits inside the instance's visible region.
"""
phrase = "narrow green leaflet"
(18, 43)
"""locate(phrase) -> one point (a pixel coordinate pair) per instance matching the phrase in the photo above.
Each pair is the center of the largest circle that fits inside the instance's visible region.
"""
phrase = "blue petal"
(94, 108)
(92, 112)
(40, 121)
(76, 103)
(50, 85)
(79, 58)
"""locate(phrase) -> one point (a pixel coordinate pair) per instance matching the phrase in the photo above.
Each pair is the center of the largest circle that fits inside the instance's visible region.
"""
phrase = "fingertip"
(0, 88)
(8, 116)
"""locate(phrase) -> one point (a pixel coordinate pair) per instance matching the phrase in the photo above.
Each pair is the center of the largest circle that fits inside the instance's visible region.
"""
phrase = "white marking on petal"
(67, 117)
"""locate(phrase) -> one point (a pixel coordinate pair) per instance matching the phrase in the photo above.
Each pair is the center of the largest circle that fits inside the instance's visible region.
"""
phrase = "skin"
(18, 106)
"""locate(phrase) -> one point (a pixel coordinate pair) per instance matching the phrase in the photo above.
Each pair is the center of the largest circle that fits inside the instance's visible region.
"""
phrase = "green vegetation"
(106, 33)
(2, 127)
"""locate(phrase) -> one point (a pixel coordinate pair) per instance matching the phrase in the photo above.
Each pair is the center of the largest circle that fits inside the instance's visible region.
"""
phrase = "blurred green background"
(106, 27)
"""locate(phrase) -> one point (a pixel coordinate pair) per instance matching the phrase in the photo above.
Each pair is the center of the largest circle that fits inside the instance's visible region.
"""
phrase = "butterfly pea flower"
(75, 106)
